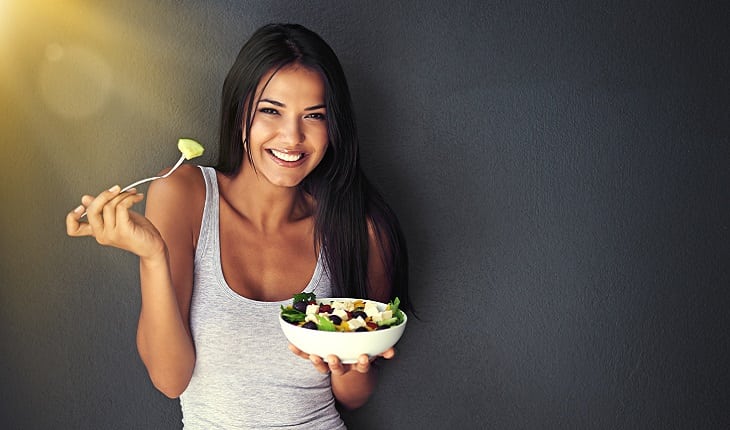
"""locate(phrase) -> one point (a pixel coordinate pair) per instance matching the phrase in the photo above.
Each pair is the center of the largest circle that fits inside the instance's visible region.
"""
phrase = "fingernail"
(79, 209)
(115, 188)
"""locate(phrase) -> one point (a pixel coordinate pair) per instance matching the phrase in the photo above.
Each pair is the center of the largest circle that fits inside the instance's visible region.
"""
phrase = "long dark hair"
(346, 202)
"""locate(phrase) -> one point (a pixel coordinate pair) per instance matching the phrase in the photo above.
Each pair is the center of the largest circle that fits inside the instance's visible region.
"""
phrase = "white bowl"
(347, 346)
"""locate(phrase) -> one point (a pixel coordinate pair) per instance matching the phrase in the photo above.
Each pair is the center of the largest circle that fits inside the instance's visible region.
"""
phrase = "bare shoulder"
(186, 180)
(378, 254)
(378, 238)
(179, 198)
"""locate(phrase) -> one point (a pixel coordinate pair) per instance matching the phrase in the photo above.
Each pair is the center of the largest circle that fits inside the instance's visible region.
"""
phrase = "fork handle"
(142, 181)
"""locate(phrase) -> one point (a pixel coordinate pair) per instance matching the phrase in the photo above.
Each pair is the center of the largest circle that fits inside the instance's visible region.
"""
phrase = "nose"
(292, 132)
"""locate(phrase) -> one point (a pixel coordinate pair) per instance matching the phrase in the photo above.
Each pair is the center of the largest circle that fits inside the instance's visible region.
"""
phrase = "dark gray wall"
(560, 169)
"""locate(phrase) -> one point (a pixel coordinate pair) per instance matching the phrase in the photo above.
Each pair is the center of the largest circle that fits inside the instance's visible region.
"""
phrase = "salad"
(340, 315)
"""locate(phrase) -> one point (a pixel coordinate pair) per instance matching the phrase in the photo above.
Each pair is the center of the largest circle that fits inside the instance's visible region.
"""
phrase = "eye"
(319, 116)
(269, 111)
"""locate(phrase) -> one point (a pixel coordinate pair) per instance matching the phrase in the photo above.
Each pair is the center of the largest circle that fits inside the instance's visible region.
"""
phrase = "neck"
(267, 207)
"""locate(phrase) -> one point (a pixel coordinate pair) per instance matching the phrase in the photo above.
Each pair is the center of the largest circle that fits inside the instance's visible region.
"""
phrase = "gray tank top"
(245, 377)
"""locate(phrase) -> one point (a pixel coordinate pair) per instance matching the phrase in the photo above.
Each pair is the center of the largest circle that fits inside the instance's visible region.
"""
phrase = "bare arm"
(163, 334)
(163, 338)
(353, 387)
(352, 384)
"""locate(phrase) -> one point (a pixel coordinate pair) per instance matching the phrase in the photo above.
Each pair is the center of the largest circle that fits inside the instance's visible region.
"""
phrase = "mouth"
(287, 157)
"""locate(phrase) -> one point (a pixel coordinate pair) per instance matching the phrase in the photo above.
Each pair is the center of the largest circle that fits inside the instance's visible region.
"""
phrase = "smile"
(283, 156)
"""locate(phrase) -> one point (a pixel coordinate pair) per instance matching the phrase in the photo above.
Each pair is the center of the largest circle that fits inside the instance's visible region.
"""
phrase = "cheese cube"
(340, 313)
(371, 309)
(311, 317)
(356, 323)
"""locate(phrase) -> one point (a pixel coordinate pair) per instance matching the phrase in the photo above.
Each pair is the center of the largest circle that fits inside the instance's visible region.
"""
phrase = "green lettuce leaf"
(397, 313)
(304, 297)
(292, 315)
(324, 324)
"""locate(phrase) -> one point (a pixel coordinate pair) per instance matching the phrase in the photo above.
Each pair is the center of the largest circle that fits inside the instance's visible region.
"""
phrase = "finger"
(95, 207)
(298, 351)
(390, 353)
(125, 203)
(109, 211)
(335, 365)
(130, 198)
(363, 364)
(74, 227)
(319, 363)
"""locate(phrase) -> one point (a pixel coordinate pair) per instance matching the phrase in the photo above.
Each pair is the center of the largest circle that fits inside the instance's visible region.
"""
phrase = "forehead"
(292, 82)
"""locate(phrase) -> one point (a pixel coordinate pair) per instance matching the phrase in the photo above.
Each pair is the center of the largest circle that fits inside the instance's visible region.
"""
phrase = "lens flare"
(73, 81)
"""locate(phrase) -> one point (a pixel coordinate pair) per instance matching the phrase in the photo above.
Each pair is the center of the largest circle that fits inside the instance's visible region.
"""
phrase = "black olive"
(361, 314)
(335, 319)
(362, 329)
(300, 306)
(310, 325)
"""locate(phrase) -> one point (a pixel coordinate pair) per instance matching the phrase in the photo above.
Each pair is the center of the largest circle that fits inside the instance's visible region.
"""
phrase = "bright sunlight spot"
(5, 25)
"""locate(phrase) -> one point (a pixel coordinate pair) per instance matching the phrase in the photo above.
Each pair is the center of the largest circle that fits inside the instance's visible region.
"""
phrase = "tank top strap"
(208, 239)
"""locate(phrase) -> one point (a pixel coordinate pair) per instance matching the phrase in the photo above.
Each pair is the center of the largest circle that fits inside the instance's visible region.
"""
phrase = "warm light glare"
(4, 12)
(73, 56)
(73, 81)
(5, 26)
(84, 72)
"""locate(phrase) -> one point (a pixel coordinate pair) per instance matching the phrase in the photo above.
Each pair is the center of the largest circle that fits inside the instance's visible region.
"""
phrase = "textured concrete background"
(561, 170)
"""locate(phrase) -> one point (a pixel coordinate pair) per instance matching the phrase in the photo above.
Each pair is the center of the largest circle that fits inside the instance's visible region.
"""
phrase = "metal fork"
(150, 179)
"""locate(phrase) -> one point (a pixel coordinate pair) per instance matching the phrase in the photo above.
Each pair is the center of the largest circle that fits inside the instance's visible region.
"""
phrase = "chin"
(286, 183)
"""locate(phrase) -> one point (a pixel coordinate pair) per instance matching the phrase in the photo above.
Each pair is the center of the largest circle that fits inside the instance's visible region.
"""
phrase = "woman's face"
(288, 135)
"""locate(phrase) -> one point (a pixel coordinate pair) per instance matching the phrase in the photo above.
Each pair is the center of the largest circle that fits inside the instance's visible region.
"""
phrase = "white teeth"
(286, 157)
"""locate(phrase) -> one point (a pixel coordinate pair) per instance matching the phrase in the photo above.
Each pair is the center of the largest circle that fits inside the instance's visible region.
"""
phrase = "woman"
(287, 209)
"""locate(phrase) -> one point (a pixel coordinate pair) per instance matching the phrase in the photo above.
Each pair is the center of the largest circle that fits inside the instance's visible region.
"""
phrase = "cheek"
(320, 138)
(260, 131)
(321, 153)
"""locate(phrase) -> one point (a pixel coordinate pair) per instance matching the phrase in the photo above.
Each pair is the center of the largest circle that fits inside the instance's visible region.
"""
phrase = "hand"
(112, 223)
(334, 365)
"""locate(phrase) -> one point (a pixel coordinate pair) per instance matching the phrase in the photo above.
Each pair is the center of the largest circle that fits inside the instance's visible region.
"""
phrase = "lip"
(285, 163)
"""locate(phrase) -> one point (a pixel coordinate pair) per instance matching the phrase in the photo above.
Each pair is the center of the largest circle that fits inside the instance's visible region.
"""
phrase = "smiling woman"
(286, 210)
(289, 127)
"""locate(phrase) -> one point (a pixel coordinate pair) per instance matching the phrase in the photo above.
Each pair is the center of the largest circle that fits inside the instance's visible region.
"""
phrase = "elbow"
(171, 379)
(350, 400)
(170, 393)
(170, 382)
(353, 390)
(352, 404)
(170, 388)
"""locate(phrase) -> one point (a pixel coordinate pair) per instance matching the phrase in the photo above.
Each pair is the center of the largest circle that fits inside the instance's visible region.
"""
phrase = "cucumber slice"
(190, 148)
(388, 322)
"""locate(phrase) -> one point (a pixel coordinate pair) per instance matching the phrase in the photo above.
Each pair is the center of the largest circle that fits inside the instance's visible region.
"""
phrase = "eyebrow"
(280, 104)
